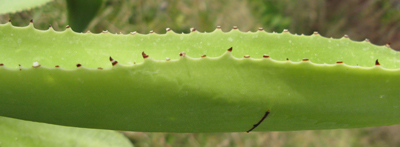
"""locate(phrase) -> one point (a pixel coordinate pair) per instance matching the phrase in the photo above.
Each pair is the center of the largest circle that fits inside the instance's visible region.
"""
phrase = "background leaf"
(19, 133)
(12, 6)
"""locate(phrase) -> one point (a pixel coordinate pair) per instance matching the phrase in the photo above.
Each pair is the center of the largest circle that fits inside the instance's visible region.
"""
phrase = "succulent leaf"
(16, 132)
(11, 6)
(194, 83)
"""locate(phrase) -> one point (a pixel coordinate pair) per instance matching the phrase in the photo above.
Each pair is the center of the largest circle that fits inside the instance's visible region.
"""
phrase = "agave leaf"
(12, 6)
(81, 12)
(16, 133)
(171, 91)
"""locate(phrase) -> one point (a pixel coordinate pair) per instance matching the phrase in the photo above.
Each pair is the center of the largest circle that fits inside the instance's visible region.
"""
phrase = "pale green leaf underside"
(223, 92)
(12, 6)
(18, 133)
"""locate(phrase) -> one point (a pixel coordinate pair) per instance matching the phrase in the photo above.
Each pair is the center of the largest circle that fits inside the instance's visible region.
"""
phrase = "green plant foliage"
(81, 12)
(16, 133)
(223, 92)
(11, 6)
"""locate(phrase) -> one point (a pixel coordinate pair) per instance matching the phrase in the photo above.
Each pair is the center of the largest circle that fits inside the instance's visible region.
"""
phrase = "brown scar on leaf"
(287, 59)
(259, 122)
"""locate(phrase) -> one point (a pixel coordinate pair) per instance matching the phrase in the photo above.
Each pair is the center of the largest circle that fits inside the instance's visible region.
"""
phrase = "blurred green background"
(379, 21)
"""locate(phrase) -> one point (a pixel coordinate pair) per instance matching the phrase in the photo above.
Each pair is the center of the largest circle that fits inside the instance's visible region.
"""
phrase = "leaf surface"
(223, 92)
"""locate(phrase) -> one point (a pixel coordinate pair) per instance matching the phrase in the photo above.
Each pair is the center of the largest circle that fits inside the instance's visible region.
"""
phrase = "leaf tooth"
(305, 59)
(168, 29)
(151, 32)
(50, 26)
(235, 27)
(167, 58)
(182, 54)
(106, 31)
(144, 55)
(315, 33)
(203, 56)
(265, 56)
(339, 62)
(388, 45)
(377, 62)
(218, 27)
(68, 27)
(78, 65)
(285, 31)
(9, 20)
(230, 49)
(246, 56)
(366, 40)
(260, 29)
(88, 32)
(133, 33)
(192, 30)
(113, 62)
(35, 64)
(345, 36)
(31, 21)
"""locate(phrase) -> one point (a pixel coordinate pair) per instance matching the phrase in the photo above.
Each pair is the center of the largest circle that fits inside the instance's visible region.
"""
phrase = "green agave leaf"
(81, 12)
(12, 6)
(16, 133)
(178, 89)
